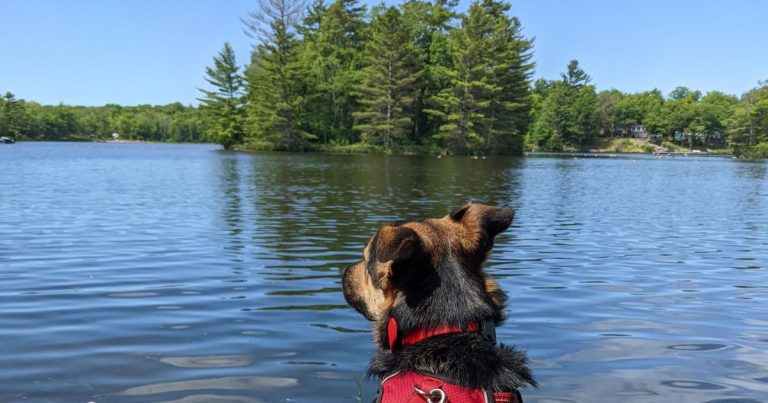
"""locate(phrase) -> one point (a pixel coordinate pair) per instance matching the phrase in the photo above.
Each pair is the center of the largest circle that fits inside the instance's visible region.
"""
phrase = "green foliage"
(330, 53)
(343, 147)
(275, 87)
(685, 119)
(748, 124)
(387, 90)
(406, 77)
(429, 25)
(224, 105)
(567, 112)
(169, 123)
(13, 117)
(484, 105)
(758, 151)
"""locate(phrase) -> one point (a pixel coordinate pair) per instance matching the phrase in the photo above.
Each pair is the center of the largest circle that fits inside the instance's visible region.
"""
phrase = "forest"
(26, 120)
(419, 77)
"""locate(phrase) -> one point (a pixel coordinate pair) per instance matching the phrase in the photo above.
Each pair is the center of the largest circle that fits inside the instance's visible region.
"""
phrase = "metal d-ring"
(436, 395)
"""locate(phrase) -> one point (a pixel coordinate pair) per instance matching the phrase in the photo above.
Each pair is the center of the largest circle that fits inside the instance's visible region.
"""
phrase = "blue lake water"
(142, 272)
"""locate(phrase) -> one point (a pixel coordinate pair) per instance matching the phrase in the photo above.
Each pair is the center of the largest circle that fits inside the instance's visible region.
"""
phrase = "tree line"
(569, 113)
(414, 77)
(23, 120)
(421, 76)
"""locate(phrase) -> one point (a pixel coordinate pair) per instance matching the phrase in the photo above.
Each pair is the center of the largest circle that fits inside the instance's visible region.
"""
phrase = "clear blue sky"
(155, 51)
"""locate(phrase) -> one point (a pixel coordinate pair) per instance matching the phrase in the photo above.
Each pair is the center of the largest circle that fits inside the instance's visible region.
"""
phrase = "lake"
(153, 272)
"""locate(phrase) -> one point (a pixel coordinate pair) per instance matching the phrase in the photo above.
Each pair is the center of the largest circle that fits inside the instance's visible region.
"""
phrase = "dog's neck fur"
(434, 301)
(465, 359)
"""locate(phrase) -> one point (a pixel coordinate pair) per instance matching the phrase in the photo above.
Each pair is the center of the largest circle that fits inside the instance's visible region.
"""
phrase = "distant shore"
(604, 147)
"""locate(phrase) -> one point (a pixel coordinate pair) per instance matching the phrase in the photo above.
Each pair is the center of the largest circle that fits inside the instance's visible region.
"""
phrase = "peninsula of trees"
(416, 77)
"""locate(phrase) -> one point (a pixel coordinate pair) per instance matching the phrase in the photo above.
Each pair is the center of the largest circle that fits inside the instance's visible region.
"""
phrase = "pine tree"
(275, 75)
(486, 104)
(509, 68)
(225, 102)
(333, 59)
(387, 87)
(429, 24)
(569, 112)
(12, 116)
(459, 105)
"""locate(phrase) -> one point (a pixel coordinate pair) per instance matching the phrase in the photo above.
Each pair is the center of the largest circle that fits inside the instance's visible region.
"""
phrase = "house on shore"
(635, 130)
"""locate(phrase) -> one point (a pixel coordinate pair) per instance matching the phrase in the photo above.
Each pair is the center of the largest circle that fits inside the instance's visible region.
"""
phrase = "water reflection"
(252, 383)
(230, 190)
(697, 347)
(220, 361)
(214, 399)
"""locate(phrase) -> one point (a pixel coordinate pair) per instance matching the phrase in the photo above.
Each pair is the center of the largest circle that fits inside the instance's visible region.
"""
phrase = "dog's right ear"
(490, 220)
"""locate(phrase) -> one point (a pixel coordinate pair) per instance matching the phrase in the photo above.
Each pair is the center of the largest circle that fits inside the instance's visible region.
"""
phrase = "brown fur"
(426, 273)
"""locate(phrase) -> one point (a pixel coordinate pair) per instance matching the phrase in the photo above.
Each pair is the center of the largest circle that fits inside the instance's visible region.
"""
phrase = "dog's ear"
(396, 245)
(400, 245)
(497, 219)
(493, 220)
(457, 215)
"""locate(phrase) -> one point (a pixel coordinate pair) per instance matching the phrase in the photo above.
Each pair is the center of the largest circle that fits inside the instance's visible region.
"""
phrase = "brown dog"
(434, 309)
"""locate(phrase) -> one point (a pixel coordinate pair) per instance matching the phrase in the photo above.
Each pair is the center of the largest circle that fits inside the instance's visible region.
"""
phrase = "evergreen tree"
(575, 76)
(387, 86)
(310, 24)
(275, 75)
(429, 25)
(225, 102)
(568, 114)
(12, 116)
(544, 133)
(333, 59)
(486, 101)
(509, 68)
(459, 105)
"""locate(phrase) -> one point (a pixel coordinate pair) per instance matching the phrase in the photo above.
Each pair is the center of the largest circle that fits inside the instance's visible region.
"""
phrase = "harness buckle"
(436, 395)
(488, 329)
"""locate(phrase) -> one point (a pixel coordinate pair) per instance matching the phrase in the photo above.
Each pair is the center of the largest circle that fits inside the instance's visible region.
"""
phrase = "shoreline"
(602, 152)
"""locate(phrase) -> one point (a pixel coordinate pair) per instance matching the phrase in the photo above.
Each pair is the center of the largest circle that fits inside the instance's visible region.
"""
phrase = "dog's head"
(429, 272)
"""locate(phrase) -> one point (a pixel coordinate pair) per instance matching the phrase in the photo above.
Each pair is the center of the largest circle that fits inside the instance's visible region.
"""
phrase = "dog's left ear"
(493, 220)
(400, 247)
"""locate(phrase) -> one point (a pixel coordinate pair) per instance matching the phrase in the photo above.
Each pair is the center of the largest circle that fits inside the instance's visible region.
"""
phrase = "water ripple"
(178, 273)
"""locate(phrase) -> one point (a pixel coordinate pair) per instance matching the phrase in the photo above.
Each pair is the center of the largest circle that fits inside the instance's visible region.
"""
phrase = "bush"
(759, 151)
(413, 149)
(346, 148)
(257, 145)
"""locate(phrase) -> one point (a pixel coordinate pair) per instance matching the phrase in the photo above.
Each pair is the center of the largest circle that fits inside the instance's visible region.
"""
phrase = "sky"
(130, 52)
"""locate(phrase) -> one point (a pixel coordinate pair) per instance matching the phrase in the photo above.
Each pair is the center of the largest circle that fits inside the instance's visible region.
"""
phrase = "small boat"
(7, 140)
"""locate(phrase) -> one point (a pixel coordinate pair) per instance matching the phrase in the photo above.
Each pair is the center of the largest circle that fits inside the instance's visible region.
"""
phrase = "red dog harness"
(413, 387)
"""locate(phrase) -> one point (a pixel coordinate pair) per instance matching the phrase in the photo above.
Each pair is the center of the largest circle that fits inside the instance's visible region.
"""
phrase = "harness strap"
(413, 387)
(507, 397)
